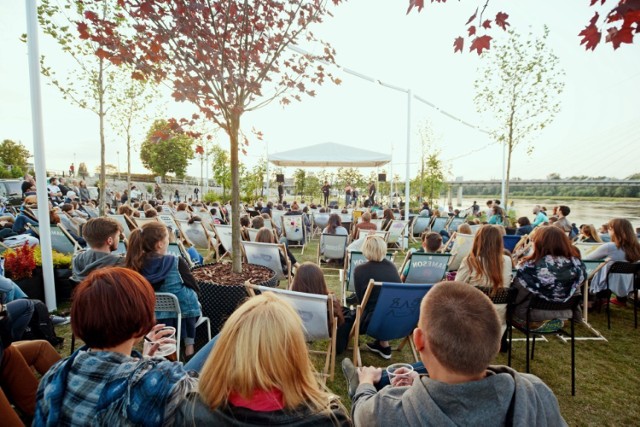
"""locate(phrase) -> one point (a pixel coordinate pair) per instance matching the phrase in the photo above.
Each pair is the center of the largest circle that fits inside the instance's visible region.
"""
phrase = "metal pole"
(504, 174)
(267, 172)
(408, 172)
(39, 155)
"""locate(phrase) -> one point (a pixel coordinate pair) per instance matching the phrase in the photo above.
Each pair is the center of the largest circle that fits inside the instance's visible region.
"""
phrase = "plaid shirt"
(106, 388)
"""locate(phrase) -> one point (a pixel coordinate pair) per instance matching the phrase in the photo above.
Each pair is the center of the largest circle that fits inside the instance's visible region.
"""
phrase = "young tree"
(299, 180)
(82, 170)
(14, 154)
(432, 177)
(427, 142)
(164, 150)
(519, 84)
(220, 168)
(226, 57)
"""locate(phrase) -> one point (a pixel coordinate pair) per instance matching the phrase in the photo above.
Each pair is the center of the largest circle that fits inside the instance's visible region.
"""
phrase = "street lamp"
(118, 154)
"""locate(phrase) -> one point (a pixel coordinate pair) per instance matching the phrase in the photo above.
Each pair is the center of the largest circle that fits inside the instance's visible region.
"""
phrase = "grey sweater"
(479, 403)
(85, 262)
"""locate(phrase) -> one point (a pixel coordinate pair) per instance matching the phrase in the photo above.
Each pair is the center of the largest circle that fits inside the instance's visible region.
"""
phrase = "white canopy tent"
(330, 154)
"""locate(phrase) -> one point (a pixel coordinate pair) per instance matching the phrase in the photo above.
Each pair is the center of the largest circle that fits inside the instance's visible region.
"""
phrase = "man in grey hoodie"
(102, 236)
(458, 335)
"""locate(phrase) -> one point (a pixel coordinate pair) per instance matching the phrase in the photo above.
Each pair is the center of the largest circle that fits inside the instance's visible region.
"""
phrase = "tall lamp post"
(118, 154)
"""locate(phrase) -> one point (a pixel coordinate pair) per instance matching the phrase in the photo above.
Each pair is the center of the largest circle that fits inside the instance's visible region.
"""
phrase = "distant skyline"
(597, 133)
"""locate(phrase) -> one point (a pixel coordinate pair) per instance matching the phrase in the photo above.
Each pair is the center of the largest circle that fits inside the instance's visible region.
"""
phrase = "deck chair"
(419, 225)
(396, 233)
(511, 241)
(182, 215)
(223, 235)
(454, 224)
(268, 255)
(122, 248)
(586, 248)
(166, 302)
(522, 249)
(61, 240)
(178, 249)
(461, 247)
(394, 316)
(91, 211)
(142, 221)
(69, 224)
(195, 234)
(276, 216)
(475, 228)
(313, 311)
(252, 233)
(356, 215)
(439, 223)
(334, 246)
(294, 230)
(425, 267)
(172, 225)
(378, 223)
(320, 221)
(351, 261)
(126, 224)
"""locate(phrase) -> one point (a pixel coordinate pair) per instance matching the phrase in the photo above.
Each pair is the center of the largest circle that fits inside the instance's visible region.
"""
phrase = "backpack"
(40, 326)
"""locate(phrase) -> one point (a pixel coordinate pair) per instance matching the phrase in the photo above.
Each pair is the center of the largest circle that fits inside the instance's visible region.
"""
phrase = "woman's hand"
(155, 338)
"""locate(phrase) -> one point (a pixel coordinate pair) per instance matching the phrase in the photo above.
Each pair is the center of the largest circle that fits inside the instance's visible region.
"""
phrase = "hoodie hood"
(156, 268)
(85, 262)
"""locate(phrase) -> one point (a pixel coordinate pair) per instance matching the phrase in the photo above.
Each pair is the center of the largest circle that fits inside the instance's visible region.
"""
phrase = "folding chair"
(475, 228)
(276, 216)
(454, 224)
(351, 261)
(378, 223)
(126, 224)
(223, 235)
(396, 233)
(172, 225)
(320, 221)
(196, 235)
(61, 240)
(313, 311)
(69, 224)
(294, 230)
(418, 226)
(538, 303)
(622, 268)
(142, 221)
(394, 316)
(182, 215)
(178, 249)
(511, 241)
(425, 267)
(439, 223)
(252, 233)
(461, 247)
(122, 248)
(586, 248)
(332, 246)
(91, 211)
(268, 255)
(503, 296)
(168, 303)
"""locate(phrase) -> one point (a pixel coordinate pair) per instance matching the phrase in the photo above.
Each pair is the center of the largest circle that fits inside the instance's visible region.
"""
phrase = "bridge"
(555, 182)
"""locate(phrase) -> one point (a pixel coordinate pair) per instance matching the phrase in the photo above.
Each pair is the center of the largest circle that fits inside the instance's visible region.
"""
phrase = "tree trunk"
(506, 180)
(129, 163)
(101, 114)
(234, 128)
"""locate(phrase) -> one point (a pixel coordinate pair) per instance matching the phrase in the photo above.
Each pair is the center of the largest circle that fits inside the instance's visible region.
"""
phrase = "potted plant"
(61, 272)
(20, 266)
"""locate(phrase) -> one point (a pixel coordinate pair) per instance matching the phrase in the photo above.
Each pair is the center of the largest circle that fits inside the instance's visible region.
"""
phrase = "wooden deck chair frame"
(211, 246)
(332, 330)
(348, 270)
(252, 233)
(142, 221)
(281, 248)
(586, 248)
(31, 213)
(182, 251)
(71, 240)
(412, 256)
(521, 248)
(355, 330)
(378, 222)
(217, 229)
(170, 222)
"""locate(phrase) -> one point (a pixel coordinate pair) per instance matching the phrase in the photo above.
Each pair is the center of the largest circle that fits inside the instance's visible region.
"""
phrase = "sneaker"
(617, 302)
(351, 374)
(352, 299)
(59, 320)
(384, 352)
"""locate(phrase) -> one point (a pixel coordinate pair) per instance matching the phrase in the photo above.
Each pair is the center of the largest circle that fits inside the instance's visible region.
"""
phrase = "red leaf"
(415, 3)
(199, 149)
(616, 37)
(472, 30)
(472, 17)
(480, 43)
(501, 20)
(83, 30)
(91, 16)
(590, 37)
(594, 19)
(458, 44)
(486, 24)
(101, 53)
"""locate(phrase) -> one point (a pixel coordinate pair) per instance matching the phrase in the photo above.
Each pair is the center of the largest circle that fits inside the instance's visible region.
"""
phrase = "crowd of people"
(257, 370)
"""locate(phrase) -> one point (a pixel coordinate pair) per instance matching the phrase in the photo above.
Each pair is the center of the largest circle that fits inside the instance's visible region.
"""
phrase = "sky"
(596, 133)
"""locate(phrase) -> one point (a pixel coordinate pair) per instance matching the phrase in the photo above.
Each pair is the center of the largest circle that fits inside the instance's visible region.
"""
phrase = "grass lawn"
(607, 377)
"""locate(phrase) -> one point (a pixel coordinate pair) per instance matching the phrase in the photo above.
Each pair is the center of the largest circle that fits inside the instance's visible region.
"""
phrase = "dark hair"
(244, 221)
(96, 231)
(264, 235)
(309, 279)
(257, 222)
(334, 222)
(142, 243)
(625, 239)
(485, 258)
(111, 306)
(432, 240)
(564, 209)
(388, 214)
(67, 207)
(551, 241)
(125, 210)
(523, 220)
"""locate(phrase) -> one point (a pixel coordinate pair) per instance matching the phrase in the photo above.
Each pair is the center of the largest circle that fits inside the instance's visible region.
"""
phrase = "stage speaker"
(280, 177)
(382, 177)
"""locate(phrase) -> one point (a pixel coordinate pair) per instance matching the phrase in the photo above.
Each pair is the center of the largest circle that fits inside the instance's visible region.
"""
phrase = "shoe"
(352, 299)
(351, 374)
(616, 301)
(384, 352)
(59, 320)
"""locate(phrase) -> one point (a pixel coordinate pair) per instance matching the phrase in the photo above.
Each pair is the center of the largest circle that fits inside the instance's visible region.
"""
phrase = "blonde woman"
(259, 373)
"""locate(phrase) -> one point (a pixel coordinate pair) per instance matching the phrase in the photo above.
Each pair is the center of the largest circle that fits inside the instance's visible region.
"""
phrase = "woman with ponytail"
(147, 254)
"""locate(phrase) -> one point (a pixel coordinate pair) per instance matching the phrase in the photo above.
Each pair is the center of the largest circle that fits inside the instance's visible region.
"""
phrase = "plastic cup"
(398, 373)
(167, 348)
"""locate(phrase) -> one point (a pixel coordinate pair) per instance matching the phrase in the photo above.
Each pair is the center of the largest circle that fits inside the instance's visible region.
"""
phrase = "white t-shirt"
(53, 189)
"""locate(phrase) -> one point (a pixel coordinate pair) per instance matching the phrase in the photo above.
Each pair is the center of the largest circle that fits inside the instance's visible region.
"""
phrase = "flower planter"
(64, 284)
(221, 291)
(33, 286)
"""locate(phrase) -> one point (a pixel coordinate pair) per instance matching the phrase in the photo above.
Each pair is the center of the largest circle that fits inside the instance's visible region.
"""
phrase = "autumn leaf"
(472, 17)
(486, 24)
(83, 30)
(480, 43)
(616, 37)
(102, 54)
(590, 37)
(472, 30)
(415, 3)
(199, 149)
(91, 16)
(501, 20)
(458, 44)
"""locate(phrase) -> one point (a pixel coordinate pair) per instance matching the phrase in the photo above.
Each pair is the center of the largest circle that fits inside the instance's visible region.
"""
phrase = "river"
(582, 212)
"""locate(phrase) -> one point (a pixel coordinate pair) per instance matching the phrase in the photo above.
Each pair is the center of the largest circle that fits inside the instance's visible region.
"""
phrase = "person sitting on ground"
(365, 224)
(334, 227)
(624, 247)
(105, 382)
(102, 236)
(147, 254)
(588, 234)
(265, 235)
(562, 222)
(553, 272)
(379, 269)
(524, 226)
(310, 279)
(431, 244)
(457, 337)
(276, 386)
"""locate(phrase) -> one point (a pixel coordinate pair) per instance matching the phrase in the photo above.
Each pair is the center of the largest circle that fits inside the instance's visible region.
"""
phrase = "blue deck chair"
(418, 226)
(61, 240)
(511, 241)
(439, 223)
(454, 224)
(351, 261)
(394, 316)
(178, 249)
(122, 249)
(425, 267)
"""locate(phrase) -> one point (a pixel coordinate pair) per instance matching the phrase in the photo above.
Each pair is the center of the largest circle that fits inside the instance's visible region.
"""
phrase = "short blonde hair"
(374, 248)
(262, 347)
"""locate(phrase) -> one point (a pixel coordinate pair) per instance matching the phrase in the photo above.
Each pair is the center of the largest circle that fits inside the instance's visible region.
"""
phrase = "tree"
(82, 170)
(623, 20)
(226, 57)
(351, 176)
(519, 84)
(313, 185)
(427, 142)
(14, 154)
(110, 169)
(253, 181)
(165, 150)
(220, 167)
(432, 176)
(553, 177)
(299, 180)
